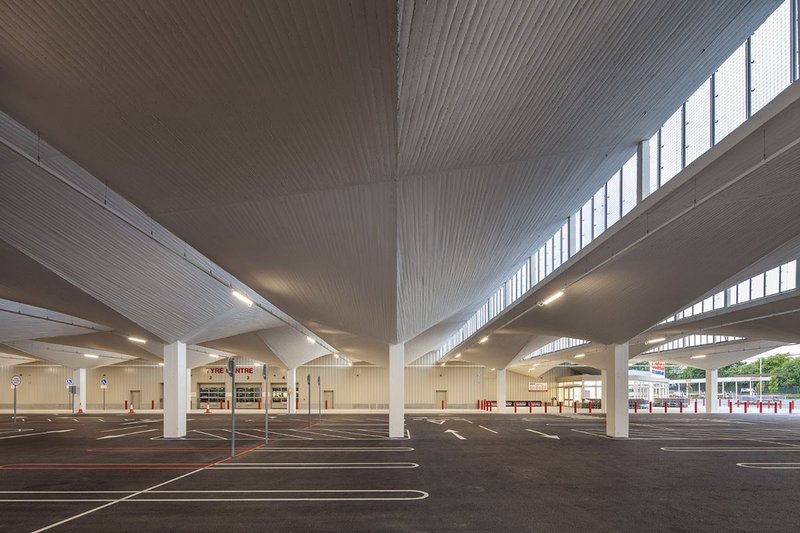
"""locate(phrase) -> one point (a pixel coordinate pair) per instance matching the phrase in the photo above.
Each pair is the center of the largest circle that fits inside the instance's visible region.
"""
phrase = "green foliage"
(784, 372)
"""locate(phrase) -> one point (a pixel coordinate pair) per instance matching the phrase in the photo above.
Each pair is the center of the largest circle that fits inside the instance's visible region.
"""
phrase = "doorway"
(441, 399)
(328, 394)
(280, 396)
(136, 399)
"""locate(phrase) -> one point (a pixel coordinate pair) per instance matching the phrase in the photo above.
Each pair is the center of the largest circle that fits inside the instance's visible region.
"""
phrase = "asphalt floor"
(453, 472)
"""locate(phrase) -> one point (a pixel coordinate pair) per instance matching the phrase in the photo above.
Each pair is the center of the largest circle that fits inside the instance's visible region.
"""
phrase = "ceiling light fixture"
(137, 339)
(349, 363)
(241, 297)
(653, 341)
(483, 340)
(697, 357)
(213, 355)
(310, 339)
(443, 364)
(553, 298)
(160, 364)
(91, 356)
(336, 356)
(458, 355)
(580, 355)
(493, 369)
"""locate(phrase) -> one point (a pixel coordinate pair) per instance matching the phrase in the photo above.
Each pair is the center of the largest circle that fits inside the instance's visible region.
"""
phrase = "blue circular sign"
(104, 381)
(69, 381)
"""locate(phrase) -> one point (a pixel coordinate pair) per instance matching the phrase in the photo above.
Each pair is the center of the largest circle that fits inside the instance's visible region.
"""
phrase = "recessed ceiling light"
(336, 355)
(91, 356)
(160, 364)
(578, 356)
(553, 297)
(310, 339)
(493, 370)
(653, 341)
(458, 355)
(349, 363)
(483, 340)
(241, 297)
(442, 364)
(697, 357)
(137, 339)
(213, 355)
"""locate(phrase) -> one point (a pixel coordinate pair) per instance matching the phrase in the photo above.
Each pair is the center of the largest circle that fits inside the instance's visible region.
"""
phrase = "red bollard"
(776, 407)
(126, 405)
(730, 407)
(152, 404)
(229, 404)
(720, 402)
(574, 407)
(560, 405)
(221, 404)
(781, 405)
(442, 405)
(737, 403)
(760, 407)
(635, 407)
(530, 407)
(680, 409)
(666, 404)
(695, 406)
(515, 407)
(259, 404)
(745, 407)
(297, 404)
(326, 405)
(590, 407)
(651, 407)
(545, 407)
(791, 406)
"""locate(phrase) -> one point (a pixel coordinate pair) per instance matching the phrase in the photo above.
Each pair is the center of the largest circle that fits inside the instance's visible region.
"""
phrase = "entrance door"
(441, 399)
(280, 396)
(248, 396)
(328, 400)
(136, 399)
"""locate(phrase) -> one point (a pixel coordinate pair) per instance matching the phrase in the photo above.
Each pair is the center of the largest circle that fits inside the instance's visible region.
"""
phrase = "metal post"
(232, 373)
(319, 396)
(266, 409)
(308, 382)
(104, 399)
(15, 404)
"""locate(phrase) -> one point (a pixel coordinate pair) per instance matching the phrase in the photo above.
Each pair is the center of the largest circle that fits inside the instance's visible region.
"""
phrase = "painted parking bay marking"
(771, 466)
(126, 434)
(545, 435)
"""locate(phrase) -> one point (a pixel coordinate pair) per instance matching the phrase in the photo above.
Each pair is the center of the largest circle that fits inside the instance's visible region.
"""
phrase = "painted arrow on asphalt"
(126, 434)
(545, 435)
(454, 432)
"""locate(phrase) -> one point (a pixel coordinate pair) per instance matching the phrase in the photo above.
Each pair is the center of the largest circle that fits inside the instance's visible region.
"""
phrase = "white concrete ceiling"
(372, 168)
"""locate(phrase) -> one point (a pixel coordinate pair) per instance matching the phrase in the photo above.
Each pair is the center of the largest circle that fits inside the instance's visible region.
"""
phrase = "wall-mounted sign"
(104, 383)
(222, 369)
(537, 387)
(657, 368)
(15, 381)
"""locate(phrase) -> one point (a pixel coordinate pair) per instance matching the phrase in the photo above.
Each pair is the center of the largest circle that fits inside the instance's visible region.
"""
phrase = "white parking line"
(209, 434)
(274, 495)
(34, 434)
(125, 434)
(334, 449)
(487, 429)
(730, 449)
(121, 429)
(771, 466)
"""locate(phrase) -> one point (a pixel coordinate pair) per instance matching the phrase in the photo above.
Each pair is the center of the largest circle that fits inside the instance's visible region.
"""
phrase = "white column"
(397, 390)
(642, 171)
(291, 384)
(189, 390)
(603, 390)
(175, 390)
(79, 380)
(712, 389)
(501, 391)
(617, 395)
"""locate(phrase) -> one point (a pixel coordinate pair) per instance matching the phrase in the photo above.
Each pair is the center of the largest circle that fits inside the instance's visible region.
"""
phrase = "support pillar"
(79, 380)
(175, 390)
(501, 391)
(291, 386)
(617, 379)
(189, 390)
(712, 388)
(397, 392)
(603, 390)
